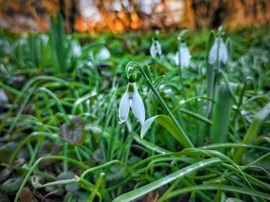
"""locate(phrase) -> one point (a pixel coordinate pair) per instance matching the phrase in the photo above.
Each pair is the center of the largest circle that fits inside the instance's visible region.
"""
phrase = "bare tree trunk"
(69, 12)
(206, 13)
(213, 13)
(246, 12)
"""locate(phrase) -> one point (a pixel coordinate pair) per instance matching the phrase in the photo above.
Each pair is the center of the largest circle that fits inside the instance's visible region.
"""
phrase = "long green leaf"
(221, 115)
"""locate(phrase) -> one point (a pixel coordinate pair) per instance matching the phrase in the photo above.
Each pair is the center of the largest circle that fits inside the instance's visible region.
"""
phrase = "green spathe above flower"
(132, 99)
(218, 52)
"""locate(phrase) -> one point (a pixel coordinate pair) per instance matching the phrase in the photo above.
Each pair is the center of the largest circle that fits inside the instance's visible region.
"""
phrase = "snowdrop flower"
(76, 48)
(155, 48)
(104, 54)
(218, 52)
(132, 99)
(184, 56)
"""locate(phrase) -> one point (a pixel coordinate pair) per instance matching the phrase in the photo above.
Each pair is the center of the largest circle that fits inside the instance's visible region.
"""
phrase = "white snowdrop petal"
(185, 57)
(182, 56)
(137, 106)
(124, 108)
(159, 50)
(153, 51)
(213, 54)
(188, 54)
(223, 53)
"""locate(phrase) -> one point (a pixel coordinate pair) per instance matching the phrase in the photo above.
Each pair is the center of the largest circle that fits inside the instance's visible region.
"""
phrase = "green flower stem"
(185, 140)
(35, 165)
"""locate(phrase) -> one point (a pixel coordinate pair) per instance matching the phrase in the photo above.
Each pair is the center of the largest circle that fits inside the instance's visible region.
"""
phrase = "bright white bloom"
(221, 52)
(155, 49)
(132, 99)
(184, 56)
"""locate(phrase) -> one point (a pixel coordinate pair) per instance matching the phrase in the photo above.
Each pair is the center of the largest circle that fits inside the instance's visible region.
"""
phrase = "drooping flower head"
(184, 56)
(131, 99)
(155, 48)
(218, 52)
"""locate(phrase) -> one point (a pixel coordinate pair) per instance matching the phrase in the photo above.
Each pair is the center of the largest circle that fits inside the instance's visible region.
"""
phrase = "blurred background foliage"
(125, 15)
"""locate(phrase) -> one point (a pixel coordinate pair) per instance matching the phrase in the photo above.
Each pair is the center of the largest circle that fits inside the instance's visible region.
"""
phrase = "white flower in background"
(155, 49)
(218, 52)
(132, 99)
(184, 56)
(104, 54)
(76, 48)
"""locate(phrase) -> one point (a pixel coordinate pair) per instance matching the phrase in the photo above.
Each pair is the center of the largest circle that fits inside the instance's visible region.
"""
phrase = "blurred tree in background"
(231, 13)
(126, 15)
